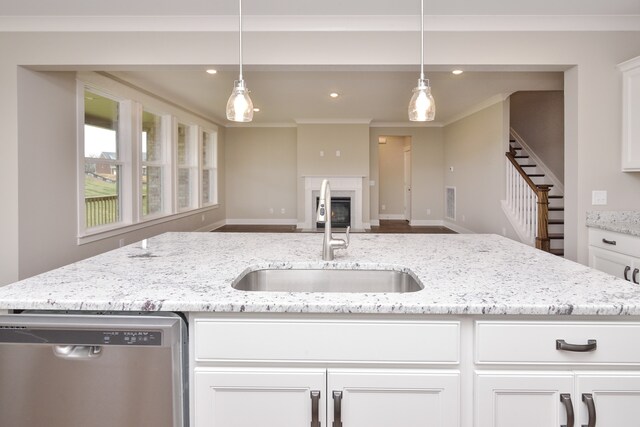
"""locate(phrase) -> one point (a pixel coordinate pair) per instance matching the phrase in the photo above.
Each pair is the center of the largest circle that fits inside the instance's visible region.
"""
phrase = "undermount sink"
(328, 280)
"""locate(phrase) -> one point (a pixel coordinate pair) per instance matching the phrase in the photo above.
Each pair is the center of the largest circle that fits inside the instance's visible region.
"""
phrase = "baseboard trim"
(268, 221)
(426, 223)
(391, 216)
(211, 227)
(458, 229)
(375, 222)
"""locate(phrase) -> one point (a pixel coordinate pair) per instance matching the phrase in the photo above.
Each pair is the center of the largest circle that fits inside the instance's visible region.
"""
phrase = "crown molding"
(260, 125)
(320, 23)
(406, 124)
(333, 121)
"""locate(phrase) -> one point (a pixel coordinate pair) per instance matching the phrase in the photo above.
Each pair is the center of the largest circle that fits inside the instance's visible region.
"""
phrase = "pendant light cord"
(421, 40)
(240, 2)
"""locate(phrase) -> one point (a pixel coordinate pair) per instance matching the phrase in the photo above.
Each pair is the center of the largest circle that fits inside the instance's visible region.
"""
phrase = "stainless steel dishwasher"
(93, 370)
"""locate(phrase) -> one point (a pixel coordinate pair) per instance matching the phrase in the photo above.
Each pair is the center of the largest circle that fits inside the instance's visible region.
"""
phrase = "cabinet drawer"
(269, 340)
(535, 342)
(624, 243)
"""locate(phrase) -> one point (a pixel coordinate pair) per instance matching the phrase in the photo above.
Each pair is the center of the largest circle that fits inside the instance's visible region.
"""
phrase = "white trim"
(455, 227)
(630, 64)
(333, 121)
(82, 240)
(366, 225)
(323, 23)
(516, 225)
(260, 125)
(392, 216)
(211, 227)
(374, 222)
(559, 186)
(406, 124)
(352, 183)
(262, 221)
(426, 223)
(501, 97)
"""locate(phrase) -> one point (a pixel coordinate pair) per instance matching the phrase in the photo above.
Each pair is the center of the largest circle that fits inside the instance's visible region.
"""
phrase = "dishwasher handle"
(77, 352)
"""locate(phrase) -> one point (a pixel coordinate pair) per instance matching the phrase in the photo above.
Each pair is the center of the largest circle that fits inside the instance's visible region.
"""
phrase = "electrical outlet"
(337, 153)
(450, 168)
(383, 207)
(202, 218)
(428, 211)
(321, 153)
(283, 210)
(599, 197)
(271, 210)
(464, 218)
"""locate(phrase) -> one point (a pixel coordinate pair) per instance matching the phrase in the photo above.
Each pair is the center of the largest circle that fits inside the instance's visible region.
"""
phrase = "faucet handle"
(346, 239)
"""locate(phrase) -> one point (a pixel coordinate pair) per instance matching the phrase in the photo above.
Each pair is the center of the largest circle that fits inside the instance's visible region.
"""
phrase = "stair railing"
(528, 202)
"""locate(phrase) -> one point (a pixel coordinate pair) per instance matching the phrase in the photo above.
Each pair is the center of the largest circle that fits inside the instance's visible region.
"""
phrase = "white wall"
(475, 148)
(592, 117)
(538, 117)
(47, 184)
(261, 174)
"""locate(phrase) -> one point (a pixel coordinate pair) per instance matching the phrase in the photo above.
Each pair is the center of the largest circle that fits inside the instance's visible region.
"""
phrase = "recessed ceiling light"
(457, 72)
(334, 94)
(257, 110)
(212, 71)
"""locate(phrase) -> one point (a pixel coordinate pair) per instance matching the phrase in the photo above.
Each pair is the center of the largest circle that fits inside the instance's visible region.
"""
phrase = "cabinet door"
(523, 399)
(258, 397)
(383, 398)
(616, 398)
(611, 262)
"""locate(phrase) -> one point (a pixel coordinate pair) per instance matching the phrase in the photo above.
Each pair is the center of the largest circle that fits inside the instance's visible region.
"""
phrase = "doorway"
(394, 165)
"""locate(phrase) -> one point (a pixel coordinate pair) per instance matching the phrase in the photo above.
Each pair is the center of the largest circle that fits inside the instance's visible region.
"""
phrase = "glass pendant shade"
(422, 107)
(240, 106)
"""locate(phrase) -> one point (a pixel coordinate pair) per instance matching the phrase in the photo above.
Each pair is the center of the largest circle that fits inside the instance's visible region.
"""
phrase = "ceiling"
(288, 96)
(314, 7)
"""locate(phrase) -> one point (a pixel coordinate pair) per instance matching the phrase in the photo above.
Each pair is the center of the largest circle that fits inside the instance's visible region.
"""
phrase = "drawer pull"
(337, 409)
(587, 398)
(565, 398)
(315, 411)
(626, 271)
(634, 276)
(591, 345)
(609, 242)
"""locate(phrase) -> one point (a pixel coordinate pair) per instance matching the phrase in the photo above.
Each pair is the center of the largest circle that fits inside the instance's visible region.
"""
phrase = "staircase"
(535, 200)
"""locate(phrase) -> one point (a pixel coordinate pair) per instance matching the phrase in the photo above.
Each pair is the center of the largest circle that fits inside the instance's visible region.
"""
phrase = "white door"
(407, 185)
(614, 398)
(523, 399)
(259, 397)
(384, 398)
(611, 262)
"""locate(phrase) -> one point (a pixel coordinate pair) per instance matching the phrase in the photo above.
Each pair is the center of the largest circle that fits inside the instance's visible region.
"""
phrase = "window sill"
(90, 237)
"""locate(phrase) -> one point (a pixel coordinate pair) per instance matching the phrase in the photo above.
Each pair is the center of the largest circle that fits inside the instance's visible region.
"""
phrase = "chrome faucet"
(324, 216)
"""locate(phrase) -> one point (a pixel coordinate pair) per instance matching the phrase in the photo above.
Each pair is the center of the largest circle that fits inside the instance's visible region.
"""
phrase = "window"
(102, 164)
(209, 168)
(187, 156)
(140, 159)
(153, 164)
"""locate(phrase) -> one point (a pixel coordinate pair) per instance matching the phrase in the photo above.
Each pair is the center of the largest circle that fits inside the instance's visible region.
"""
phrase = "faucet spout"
(329, 244)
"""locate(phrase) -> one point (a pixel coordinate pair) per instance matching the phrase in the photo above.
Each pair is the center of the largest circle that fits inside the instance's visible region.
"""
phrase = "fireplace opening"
(340, 212)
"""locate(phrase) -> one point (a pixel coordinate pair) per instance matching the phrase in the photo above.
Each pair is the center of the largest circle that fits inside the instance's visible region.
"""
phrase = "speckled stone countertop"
(627, 222)
(193, 272)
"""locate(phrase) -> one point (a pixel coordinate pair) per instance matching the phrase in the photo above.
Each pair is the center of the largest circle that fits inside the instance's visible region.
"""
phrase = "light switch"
(599, 197)
(321, 153)
(337, 153)
(372, 183)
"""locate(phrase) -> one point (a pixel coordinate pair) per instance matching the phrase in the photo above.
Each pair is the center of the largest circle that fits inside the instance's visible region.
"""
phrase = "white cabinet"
(630, 113)
(248, 397)
(523, 399)
(615, 253)
(611, 398)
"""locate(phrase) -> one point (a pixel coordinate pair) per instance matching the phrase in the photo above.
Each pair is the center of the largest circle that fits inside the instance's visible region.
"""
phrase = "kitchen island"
(501, 335)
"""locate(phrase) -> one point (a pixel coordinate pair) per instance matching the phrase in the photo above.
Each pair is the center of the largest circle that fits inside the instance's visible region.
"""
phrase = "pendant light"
(422, 107)
(239, 106)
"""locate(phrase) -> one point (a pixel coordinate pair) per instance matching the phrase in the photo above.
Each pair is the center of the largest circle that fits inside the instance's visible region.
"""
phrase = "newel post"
(542, 237)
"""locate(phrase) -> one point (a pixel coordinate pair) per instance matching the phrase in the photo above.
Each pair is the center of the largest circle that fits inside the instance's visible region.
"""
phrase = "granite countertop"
(193, 272)
(627, 222)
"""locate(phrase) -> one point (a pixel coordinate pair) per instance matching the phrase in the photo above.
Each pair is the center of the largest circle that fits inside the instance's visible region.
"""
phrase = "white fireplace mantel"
(343, 184)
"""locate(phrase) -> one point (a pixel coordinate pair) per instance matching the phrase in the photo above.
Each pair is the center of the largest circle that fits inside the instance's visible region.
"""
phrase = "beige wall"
(474, 148)
(538, 117)
(391, 175)
(352, 140)
(427, 177)
(261, 174)
(48, 179)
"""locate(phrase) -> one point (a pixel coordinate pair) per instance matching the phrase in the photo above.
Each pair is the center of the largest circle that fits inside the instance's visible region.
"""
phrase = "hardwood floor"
(386, 226)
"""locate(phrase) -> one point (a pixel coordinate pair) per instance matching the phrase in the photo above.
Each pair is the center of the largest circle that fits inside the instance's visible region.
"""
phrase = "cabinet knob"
(591, 345)
(626, 271)
(587, 398)
(565, 398)
(634, 277)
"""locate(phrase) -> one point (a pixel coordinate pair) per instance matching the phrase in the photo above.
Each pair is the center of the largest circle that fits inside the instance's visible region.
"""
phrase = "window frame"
(192, 164)
(214, 167)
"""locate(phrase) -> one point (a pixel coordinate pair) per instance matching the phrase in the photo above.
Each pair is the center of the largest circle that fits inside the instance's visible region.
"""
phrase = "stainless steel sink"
(299, 280)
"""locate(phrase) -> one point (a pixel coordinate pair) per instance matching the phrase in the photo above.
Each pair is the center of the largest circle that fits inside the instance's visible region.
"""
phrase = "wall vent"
(450, 203)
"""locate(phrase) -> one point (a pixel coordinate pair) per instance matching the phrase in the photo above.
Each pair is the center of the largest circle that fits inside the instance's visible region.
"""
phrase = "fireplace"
(340, 212)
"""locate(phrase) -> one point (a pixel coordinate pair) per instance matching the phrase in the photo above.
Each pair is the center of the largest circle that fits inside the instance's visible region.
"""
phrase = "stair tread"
(521, 157)
(556, 235)
(528, 166)
(556, 221)
(536, 175)
(558, 208)
(559, 252)
(556, 197)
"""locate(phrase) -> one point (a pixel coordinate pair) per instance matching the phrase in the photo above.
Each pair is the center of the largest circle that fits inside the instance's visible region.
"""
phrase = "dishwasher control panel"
(138, 337)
